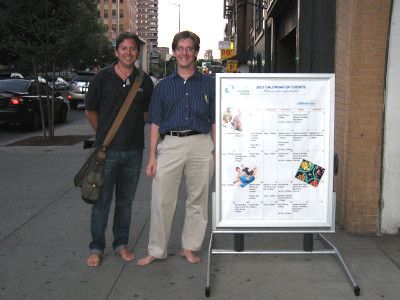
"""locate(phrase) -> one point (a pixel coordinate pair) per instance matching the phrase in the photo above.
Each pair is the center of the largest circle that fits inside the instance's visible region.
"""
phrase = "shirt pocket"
(201, 104)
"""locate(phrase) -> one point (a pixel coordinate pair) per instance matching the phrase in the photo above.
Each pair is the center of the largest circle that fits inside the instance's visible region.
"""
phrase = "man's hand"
(151, 167)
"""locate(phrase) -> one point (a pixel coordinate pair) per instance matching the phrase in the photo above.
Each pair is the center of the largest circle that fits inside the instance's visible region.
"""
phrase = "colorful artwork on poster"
(310, 173)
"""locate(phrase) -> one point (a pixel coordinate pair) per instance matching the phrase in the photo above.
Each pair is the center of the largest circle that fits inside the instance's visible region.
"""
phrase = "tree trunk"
(40, 98)
(51, 123)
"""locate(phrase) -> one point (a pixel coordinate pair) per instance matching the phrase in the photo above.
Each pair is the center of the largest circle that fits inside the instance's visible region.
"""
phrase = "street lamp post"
(167, 57)
(179, 15)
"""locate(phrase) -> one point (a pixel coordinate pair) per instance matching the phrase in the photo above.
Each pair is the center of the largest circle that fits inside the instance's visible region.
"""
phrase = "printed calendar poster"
(274, 150)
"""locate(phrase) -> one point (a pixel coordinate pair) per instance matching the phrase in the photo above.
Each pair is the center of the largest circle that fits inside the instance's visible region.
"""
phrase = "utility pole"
(179, 16)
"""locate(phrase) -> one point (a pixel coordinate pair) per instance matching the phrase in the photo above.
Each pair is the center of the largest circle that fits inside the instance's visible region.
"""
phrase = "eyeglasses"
(182, 49)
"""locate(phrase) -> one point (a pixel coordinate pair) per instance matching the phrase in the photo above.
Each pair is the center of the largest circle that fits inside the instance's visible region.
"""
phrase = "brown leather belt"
(182, 133)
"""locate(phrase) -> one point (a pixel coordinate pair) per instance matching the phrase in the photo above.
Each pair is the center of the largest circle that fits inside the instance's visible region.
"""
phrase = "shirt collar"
(195, 74)
(111, 69)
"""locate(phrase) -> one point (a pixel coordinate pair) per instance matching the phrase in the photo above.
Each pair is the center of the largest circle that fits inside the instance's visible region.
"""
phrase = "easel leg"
(207, 289)
(308, 242)
(328, 244)
(238, 242)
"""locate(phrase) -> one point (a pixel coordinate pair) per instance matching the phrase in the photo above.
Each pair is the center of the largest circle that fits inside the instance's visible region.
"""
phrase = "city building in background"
(208, 55)
(136, 16)
(357, 41)
(162, 50)
(159, 54)
(118, 16)
(147, 27)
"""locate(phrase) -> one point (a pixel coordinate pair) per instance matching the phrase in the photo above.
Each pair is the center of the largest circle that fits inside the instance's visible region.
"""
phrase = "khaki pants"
(192, 156)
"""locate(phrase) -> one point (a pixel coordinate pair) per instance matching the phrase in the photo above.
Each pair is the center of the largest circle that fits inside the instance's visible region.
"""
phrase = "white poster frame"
(219, 224)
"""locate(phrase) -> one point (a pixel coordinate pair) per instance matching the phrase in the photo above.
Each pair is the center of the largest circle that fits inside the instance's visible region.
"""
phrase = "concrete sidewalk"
(44, 236)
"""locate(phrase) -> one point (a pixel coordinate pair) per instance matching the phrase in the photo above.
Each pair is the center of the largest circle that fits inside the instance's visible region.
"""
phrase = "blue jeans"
(122, 171)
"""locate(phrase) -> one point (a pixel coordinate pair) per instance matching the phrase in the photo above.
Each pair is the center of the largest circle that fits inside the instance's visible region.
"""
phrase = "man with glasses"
(182, 116)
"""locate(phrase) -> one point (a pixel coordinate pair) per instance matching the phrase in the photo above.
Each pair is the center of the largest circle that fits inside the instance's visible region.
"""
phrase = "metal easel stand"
(307, 246)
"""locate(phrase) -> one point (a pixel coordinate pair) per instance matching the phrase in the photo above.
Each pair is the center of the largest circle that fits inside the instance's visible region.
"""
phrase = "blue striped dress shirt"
(179, 104)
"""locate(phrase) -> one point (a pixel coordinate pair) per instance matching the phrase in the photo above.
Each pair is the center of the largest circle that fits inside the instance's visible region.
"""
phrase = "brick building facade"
(118, 16)
(361, 47)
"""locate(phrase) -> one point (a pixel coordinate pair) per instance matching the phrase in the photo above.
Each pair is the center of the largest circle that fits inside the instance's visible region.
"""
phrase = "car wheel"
(73, 105)
(63, 114)
(33, 123)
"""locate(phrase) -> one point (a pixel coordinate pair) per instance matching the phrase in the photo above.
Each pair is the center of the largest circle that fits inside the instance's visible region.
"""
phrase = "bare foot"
(190, 257)
(146, 260)
(93, 260)
(126, 255)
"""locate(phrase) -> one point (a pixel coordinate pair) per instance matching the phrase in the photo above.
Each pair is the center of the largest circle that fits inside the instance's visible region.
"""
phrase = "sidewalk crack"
(32, 217)
(125, 263)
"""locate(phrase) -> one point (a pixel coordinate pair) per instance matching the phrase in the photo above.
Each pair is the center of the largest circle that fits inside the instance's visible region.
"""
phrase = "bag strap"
(124, 109)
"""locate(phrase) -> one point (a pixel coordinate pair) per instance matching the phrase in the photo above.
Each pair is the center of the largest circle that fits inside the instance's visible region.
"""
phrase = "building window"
(105, 2)
(121, 1)
(114, 27)
(121, 13)
(114, 13)
(121, 27)
(105, 14)
(114, 1)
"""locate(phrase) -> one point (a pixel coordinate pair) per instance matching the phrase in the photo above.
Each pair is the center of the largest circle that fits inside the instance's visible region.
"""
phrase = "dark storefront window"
(286, 52)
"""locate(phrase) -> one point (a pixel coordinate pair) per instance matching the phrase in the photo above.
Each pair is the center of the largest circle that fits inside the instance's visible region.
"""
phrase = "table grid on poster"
(272, 141)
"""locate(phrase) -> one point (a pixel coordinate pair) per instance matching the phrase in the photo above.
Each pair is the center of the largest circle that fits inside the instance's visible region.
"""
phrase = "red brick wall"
(361, 42)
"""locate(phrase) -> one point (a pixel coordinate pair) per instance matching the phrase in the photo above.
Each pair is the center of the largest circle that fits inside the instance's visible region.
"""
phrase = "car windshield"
(83, 77)
(17, 86)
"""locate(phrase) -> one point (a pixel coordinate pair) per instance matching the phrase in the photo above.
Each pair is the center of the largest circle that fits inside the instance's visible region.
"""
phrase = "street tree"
(51, 35)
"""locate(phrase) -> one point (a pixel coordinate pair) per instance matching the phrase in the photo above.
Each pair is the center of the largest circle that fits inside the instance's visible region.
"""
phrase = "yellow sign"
(231, 66)
(227, 53)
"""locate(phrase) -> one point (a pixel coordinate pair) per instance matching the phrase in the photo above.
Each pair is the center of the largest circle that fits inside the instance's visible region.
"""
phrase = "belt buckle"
(179, 133)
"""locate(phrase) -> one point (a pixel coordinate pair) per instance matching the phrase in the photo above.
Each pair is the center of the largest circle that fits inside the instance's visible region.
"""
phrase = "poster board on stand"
(274, 152)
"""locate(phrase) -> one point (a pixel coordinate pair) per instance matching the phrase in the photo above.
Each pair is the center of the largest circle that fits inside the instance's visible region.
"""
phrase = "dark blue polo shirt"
(179, 104)
(106, 94)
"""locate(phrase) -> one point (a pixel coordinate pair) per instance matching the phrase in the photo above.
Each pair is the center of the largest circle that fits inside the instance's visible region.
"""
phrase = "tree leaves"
(66, 32)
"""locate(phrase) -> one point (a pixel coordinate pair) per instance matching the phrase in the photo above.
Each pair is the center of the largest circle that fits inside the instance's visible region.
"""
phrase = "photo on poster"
(244, 175)
(232, 119)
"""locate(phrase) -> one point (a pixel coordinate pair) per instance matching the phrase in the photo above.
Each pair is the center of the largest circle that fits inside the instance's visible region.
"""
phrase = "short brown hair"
(127, 35)
(186, 35)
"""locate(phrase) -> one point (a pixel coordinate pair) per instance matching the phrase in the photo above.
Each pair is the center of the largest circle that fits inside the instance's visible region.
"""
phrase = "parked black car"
(19, 103)
(7, 75)
(78, 88)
